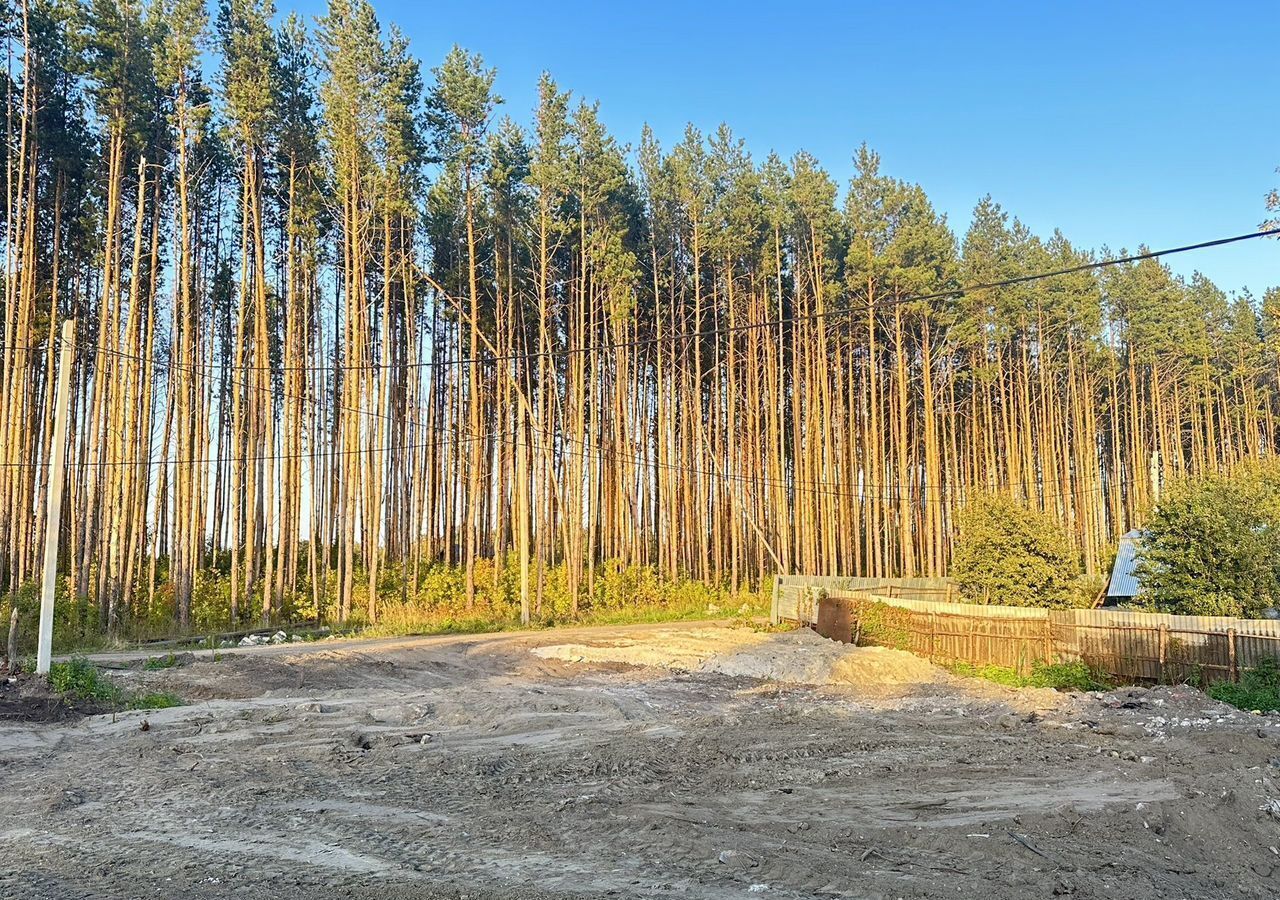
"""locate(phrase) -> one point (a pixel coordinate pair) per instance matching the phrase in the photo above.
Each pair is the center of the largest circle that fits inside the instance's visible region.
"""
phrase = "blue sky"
(1120, 123)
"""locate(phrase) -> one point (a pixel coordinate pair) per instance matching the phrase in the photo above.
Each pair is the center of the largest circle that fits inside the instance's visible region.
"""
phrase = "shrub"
(1258, 689)
(1073, 676)
(1010, 554)
(1212, 547)
(618, 593)
(880, 624)
(79, 679)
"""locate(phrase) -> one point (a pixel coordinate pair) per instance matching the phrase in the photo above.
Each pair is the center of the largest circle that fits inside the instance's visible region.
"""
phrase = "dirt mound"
(26, 698)
(796, 657)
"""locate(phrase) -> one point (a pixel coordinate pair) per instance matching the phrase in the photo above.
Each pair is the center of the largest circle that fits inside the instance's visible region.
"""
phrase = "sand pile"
(797, 657)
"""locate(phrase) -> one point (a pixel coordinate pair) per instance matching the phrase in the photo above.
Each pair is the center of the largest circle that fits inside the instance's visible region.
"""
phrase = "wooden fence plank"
(1147, 649)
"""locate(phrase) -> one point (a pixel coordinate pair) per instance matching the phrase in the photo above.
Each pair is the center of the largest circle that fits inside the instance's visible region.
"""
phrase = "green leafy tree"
(1013, 555)
(1213, 545)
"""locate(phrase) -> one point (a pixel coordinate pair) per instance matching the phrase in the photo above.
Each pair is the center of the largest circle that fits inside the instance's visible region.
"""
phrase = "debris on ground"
(258, 640)
(470, 766)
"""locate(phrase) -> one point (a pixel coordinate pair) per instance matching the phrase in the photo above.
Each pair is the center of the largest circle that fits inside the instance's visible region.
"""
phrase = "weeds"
(1257, 691)
(1073, 676)
(168, 661)
(998, 674)
(79, 680)
(155, 700)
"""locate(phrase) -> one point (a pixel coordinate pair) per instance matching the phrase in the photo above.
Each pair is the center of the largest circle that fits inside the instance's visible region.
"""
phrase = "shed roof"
(1124, 580)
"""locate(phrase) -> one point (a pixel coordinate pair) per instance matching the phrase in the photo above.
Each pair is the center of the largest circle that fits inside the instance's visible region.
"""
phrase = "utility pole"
(53, 499)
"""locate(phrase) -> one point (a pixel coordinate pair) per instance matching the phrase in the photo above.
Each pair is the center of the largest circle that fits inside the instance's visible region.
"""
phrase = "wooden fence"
(1129, 646)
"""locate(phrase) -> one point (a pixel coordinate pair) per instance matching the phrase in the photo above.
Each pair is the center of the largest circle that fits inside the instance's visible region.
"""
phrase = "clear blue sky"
(1120, 123)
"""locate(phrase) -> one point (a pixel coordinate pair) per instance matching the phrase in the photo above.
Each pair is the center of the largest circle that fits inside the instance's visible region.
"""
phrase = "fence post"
(933, 636)
(1164, 650)
(1231, 654)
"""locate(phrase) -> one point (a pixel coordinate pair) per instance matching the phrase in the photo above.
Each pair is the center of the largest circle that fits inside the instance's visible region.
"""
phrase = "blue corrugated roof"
(1124, 582)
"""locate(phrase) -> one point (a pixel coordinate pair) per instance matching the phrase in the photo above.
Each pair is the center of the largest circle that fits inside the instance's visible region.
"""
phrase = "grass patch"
(433, 599)
(154, 663)
(409, 621)
(79, 680)
(1257, 691)
(1073, 676)
(998, 674)
(156, 700)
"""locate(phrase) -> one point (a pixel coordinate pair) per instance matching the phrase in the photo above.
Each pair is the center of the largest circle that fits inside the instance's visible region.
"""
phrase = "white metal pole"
(53, 512)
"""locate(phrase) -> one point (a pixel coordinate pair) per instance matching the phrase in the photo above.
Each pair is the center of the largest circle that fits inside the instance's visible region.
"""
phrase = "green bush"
(1258, 689)
(1012, 555)
(880, 624)
(79, 679)
(1072, 676)
(1212, 547)
(70, 621)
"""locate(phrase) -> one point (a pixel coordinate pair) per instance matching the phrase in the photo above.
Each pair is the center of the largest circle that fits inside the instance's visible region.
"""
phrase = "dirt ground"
(26, 698)
(472, 767)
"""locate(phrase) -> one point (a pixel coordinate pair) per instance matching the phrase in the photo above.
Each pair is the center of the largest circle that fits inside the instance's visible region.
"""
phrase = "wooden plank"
(1231, 654)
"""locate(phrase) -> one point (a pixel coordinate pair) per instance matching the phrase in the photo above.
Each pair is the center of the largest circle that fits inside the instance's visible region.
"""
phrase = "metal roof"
(1124, 582)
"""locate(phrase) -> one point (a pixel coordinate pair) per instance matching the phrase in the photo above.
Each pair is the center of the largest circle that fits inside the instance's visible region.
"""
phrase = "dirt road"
(473, 767)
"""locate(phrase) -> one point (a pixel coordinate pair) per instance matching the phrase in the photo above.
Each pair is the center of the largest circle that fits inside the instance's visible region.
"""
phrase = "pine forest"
(346, 324)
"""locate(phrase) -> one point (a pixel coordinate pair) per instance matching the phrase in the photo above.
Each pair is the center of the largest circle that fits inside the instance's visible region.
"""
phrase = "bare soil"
(796, 657)
(24, 698)
(472, 767)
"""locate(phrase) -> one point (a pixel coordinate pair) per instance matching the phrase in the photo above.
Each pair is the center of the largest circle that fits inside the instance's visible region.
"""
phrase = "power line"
(790, 484)
(799, 486)
(272, 457)
(870, 306)
(704, 333)
(701, 333)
